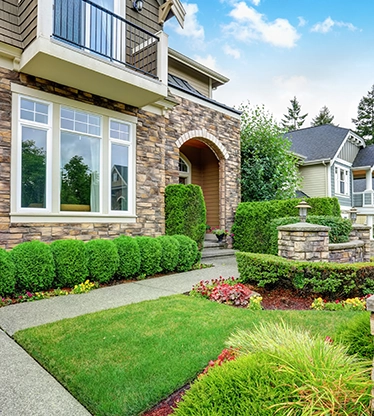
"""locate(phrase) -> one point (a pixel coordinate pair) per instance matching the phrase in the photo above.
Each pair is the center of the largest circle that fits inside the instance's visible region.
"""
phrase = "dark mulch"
(283, 299)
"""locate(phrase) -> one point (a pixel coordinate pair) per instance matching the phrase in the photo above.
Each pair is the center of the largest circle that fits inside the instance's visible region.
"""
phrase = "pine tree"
(365, 117)
(324, 117)
(293, 120)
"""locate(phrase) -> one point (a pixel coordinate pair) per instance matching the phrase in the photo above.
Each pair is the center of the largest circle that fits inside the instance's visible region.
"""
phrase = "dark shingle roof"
(315, 143)
(359, 185)
(183, 85)
(365, 157)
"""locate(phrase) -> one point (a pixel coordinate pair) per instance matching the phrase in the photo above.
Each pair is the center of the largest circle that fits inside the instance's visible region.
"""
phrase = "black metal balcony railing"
(88, 26)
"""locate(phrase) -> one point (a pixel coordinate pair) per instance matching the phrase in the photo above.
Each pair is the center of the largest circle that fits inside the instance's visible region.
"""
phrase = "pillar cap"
(303, 226)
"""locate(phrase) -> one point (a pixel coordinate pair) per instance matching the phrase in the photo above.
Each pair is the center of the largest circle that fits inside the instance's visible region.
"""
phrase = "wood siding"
(148, 18)
(205, 173)
(27, 12)
(348, 152)
(9, 29)
(198, 81)
(314, 182)
(18, 22)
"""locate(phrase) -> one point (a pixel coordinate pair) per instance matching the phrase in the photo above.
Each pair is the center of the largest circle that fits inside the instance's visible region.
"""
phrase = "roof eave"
(218, 79)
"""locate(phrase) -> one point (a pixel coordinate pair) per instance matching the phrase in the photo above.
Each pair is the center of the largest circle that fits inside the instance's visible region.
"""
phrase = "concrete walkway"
(25, 387)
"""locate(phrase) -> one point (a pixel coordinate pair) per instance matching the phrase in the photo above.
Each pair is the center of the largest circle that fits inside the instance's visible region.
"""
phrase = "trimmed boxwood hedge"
(252, 226)
(7, 274)
(185, 212)
(169, 253)
(150, 255)
(188, 253)
(34, 266)
(129, 256)
(339, 233)
(70, 261)
(103, 260)
(333, 280)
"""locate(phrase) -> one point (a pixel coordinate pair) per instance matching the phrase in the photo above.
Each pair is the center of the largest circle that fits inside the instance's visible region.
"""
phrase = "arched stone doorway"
(203, 156)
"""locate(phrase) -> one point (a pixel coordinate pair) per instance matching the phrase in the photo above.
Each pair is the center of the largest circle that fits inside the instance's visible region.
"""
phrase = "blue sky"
(320, 51)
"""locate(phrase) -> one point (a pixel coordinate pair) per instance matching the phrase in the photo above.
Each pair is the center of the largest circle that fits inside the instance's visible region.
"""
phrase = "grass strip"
(125, 360)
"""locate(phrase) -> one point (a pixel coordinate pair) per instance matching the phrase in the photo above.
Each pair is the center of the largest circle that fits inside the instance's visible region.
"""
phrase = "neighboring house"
(335, 162)
(98, 115)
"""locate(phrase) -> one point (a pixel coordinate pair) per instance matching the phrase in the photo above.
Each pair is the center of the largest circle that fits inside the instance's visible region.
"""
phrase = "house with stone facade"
(98, 115)
(335, 162)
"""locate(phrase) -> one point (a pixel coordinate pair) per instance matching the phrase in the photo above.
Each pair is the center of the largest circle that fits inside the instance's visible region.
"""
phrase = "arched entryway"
(202, 163)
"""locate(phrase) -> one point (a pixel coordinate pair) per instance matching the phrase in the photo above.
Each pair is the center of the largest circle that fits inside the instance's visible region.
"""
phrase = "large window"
(341, 181)
(72, 161)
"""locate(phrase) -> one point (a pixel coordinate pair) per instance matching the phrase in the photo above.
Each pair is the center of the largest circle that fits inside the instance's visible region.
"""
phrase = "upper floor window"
(72, 161)
(342, 181)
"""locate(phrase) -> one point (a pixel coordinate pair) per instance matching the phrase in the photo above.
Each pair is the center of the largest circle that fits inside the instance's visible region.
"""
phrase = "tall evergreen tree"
(293, 120)
(365, 117)
(324, 117)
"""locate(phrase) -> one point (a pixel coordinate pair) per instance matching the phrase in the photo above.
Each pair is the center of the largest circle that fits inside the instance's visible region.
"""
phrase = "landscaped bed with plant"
(126, 360)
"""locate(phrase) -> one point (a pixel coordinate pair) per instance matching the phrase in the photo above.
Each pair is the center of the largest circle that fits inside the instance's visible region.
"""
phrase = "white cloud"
(250, 25)
(256, 2)
(228, 50)
(209, 61)
(192, 28)
(327, 25)
(302, 21)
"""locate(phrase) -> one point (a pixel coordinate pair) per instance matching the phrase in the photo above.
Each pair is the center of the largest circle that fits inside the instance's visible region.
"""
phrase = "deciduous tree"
(268, 168)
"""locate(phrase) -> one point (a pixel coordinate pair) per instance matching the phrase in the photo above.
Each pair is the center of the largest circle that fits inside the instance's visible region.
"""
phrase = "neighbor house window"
(341, 181)
(72, 161)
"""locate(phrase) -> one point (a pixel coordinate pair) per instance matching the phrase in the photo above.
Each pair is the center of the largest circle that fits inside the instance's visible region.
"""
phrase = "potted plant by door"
(220, 233)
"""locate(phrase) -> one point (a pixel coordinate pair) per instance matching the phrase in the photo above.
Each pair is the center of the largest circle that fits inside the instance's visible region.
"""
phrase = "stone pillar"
(304, 241)
(362, 232)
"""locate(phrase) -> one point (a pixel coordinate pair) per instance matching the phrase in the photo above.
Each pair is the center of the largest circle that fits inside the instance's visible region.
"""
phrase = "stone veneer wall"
(157, 163)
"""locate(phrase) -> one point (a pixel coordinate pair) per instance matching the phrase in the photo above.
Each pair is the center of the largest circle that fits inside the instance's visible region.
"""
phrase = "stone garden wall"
(310, 242)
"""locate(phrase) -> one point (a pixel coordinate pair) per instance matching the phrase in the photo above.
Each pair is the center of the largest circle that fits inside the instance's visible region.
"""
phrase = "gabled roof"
(183, 85)
(365, 157)
(318, 143)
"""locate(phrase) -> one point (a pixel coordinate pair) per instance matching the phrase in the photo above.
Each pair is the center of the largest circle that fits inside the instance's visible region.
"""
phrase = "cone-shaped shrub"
(70, 262)
(188, 253)
(129, 257)
(150, 255)
(169, 253)
(103, 260)
(7, 274)
(34, 266)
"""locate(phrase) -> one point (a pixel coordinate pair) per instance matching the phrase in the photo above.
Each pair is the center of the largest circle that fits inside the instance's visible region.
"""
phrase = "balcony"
(363, 199)
(82, 45)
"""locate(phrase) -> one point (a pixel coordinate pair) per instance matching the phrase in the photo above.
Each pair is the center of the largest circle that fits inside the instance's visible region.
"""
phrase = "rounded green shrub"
(70, 262)
(185, 212)
(169, 253)
(34, 266)
(356, 336)
(150, 255)
(188, 253)
(103, 260)
(129, 256)
(7, 274)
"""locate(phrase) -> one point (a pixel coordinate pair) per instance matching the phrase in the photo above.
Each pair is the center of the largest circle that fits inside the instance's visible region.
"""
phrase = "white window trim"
(346, 172)
(52, 213)
(187, 174)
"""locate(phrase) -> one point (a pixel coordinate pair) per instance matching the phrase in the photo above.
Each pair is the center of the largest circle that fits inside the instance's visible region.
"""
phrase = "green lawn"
(125, 360)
